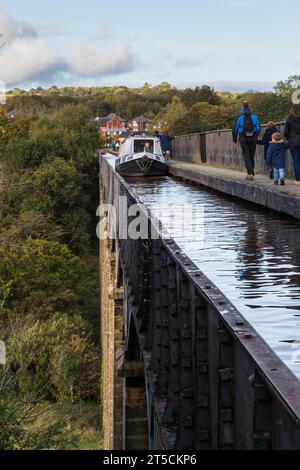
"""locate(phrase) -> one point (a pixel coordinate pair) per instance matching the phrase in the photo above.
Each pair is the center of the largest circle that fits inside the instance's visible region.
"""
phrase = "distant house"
(139, 124)
(110, 124)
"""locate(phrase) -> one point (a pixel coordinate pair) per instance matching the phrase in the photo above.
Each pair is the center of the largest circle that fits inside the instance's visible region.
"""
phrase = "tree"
(206, 94)
(56, 189)
(44, 277)
(30, 224)
(205, 117)
(172, 112)
(273, 108)
(287, 87)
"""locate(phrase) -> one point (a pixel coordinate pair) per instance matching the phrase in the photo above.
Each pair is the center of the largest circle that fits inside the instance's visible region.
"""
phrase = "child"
(276, 157)
(266, 140)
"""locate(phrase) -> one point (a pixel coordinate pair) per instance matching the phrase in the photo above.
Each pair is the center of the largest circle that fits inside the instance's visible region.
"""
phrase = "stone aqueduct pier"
(182, 369)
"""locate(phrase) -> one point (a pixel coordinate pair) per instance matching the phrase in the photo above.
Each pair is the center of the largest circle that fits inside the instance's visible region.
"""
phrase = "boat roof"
(127, 146)
(142, 136)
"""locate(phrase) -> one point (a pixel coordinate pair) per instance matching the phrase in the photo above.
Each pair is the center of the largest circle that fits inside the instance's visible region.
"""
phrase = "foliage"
(172, 112)
(55, 189)
(44, 277)
(204, 117)
(287, 87)
(274, 107)
(15, 436)
(49, 306)
(54, 359)
(205, 94)
(79, 425)
(30, 224)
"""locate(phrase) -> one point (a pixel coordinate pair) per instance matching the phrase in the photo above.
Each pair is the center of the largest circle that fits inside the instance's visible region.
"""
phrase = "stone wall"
(113, 386)
(217, 149)
(125, 424)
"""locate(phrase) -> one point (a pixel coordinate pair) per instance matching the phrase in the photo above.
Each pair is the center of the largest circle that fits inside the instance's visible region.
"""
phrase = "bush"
(44, 277)
(54, 359)
(56, 190)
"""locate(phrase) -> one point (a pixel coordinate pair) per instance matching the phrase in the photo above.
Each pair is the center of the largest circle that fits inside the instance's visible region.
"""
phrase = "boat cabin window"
(144, 145)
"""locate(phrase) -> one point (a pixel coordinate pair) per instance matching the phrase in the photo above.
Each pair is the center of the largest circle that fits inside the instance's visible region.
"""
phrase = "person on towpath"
(266, 140)
(166, 145)
(246, 130)
(276, 157)
(292, 135)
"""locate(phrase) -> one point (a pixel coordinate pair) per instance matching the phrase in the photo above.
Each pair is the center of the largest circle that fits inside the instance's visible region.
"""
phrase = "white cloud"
(27, 56)
(91, 61)
(13, 29)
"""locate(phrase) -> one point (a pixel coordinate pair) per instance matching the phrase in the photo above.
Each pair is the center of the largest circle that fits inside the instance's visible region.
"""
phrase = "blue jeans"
(278, 174)
(295, 150)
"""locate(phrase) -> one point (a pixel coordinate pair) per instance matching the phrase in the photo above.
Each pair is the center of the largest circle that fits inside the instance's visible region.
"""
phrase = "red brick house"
(110, 124)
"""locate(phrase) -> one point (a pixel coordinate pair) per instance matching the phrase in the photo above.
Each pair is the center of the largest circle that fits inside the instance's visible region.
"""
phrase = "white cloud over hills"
(27, 57)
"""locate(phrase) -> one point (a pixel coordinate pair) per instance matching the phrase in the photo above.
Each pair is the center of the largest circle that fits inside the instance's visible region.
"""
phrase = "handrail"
(220, 131)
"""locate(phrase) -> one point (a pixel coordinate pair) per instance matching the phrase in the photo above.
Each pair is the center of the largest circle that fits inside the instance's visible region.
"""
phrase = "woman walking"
(292, 134)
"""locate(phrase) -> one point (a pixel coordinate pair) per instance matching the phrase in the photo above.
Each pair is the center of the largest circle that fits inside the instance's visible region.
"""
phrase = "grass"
(82, 423)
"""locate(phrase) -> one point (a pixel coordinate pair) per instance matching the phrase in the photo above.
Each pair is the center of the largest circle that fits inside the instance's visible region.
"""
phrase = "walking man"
(246, 130)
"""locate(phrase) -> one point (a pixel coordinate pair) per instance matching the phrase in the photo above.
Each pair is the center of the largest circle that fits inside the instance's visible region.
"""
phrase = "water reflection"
(251, 254)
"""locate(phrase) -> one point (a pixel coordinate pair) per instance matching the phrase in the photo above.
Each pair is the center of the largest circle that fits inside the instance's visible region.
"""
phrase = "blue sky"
(232, 44)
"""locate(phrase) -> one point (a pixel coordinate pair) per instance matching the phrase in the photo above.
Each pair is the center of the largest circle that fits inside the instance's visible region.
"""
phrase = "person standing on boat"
(246, 130)
(166, 144)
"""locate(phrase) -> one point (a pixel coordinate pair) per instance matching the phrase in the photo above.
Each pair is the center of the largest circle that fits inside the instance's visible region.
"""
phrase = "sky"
(234, 45)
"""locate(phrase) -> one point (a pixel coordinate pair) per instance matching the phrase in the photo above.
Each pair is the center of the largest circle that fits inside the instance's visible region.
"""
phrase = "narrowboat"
(141, 156)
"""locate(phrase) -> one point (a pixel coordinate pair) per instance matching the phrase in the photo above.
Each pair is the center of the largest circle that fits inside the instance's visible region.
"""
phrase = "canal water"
(251, 254)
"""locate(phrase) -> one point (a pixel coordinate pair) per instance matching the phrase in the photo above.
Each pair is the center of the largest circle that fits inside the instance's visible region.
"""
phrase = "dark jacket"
(267, 137)
(292, 130)
(277, 154)
(166, 142)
